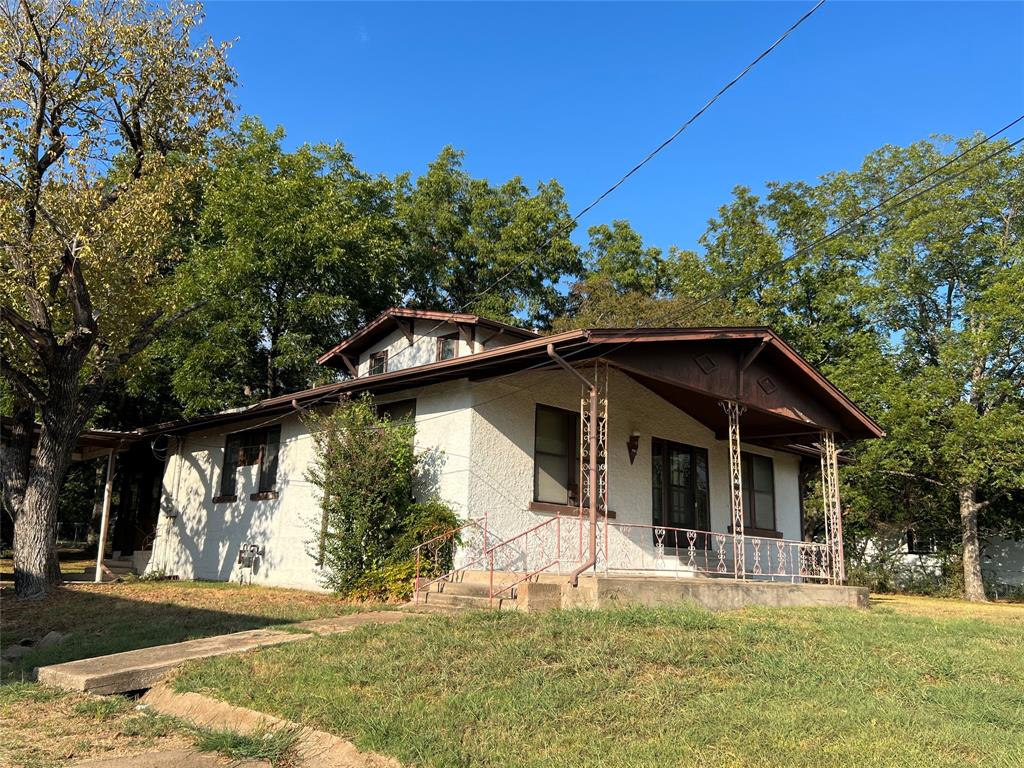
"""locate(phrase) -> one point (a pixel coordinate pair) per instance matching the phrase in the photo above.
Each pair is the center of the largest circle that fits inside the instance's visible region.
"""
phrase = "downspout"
(574, 577)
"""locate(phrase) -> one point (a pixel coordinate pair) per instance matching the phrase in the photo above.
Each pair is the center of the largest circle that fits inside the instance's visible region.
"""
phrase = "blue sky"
(579, 92)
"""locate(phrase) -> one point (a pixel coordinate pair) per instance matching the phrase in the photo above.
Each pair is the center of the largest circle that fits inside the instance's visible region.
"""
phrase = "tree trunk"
(36, 566)
(974, 586)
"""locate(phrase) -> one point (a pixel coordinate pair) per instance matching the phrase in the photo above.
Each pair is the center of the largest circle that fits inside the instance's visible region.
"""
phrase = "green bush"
(366, 468)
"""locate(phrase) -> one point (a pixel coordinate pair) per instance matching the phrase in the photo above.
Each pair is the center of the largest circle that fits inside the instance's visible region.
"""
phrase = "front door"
(679, 483)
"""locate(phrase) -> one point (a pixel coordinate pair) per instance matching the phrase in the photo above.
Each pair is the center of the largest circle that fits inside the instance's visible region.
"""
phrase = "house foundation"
(713, 594)
(550, 591)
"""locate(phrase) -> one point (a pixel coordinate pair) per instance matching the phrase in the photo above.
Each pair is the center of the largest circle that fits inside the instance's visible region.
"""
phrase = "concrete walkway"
(312, 748)
(171, 758)
(143, 668)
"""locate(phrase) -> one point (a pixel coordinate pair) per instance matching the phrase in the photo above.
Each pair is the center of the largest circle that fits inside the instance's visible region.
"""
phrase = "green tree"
(626, 284)
(297, 249)
(105, 109)
(946, 280)
(914, 312)
(498, 251)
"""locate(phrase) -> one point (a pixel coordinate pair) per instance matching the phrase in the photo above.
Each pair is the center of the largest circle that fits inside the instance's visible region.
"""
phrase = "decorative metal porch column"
(832, 508)
(595, 467)
(733, 410)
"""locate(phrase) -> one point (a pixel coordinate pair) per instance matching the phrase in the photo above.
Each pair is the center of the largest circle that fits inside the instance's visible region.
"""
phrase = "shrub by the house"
(366, 468)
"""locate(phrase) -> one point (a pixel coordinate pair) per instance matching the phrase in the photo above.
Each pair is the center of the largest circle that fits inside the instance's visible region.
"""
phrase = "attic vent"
(766, 384)
(706, 363)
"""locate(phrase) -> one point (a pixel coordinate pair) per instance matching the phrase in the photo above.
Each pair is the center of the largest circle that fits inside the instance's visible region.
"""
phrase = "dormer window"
(379, 362)
(448, 347)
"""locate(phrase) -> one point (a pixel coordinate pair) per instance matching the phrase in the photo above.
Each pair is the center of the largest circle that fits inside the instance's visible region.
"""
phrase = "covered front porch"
(692, 453)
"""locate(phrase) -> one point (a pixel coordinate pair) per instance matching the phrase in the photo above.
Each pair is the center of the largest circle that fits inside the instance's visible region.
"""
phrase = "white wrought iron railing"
(630, 547)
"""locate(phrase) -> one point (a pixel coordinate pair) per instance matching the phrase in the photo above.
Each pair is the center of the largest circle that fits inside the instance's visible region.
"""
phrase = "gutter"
(574, 577)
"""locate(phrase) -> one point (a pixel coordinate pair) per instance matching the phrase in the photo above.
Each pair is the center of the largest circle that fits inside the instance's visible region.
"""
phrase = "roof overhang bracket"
(490, 337)
(407, 327)
(350, 365)
(746, 362)
(466, 332)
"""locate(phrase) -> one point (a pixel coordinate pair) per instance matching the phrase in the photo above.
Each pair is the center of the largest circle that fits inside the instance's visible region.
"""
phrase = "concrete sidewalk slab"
(171, 758)
(143, 668)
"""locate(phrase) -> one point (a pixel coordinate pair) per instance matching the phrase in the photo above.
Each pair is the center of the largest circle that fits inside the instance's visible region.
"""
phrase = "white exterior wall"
(423, 350)
(1002, 562)
(201, 541)
(502, 451)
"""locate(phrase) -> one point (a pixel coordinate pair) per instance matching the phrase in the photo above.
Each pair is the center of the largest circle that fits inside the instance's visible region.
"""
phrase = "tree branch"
(40, 339)
(21, 381)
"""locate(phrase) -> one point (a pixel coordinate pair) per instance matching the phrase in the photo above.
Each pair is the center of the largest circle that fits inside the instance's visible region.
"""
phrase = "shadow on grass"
(123, 617)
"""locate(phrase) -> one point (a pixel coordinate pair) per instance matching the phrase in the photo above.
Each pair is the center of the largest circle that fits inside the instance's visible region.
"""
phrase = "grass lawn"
(107, 618)
(911, 682)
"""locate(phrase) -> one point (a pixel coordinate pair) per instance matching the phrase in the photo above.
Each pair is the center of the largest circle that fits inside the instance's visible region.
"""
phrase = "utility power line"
(571, 223)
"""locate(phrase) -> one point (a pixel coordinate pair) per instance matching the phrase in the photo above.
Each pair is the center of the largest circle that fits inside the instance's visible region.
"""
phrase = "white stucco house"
(702, 437)
(912, 560)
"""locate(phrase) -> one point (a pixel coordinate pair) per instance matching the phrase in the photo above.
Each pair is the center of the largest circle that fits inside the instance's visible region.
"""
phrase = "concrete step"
(468, 601)
(471, 588)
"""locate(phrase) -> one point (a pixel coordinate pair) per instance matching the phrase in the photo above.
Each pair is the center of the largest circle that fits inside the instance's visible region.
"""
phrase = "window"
(403, 411)
(379, 362)
(758, 492)
(918, 544)
(448, 346)
(556, 456)
(679, 482)
(257, 447)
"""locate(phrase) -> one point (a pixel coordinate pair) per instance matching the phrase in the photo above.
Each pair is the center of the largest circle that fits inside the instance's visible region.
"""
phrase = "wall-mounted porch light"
(633, 445)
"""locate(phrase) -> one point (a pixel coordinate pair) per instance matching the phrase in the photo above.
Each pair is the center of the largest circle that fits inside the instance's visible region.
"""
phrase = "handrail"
(447, 535)
(528, 574)
(479, 522)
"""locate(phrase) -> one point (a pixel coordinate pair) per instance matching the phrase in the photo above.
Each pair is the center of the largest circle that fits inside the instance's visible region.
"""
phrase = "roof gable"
(401, 318)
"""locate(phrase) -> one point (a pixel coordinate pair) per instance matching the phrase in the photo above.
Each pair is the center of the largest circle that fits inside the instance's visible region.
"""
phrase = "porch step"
(467, 588)
(112, 569)
(460, 595)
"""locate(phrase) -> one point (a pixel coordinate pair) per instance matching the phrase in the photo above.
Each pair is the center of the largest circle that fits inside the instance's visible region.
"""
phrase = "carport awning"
(91, 443)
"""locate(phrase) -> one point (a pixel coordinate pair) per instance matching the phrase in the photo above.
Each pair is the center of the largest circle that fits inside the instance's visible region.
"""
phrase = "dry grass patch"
(72, 561)
(43, 727)
(107, 618)
(948, 608)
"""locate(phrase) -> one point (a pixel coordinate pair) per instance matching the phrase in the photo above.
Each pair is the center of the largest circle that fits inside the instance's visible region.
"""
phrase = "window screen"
(379, 362)
(448, 346)
(556, 463)
(758, 491)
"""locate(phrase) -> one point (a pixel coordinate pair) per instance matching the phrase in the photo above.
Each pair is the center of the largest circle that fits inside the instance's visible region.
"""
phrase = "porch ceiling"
(785, 399)
(758, 427)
